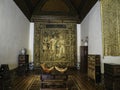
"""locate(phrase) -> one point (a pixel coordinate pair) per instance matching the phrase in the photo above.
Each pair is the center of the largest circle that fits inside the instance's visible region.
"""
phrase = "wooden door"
(83, 59)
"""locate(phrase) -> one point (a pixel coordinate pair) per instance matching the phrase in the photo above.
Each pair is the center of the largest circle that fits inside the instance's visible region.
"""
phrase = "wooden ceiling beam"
(86, 8)
(29, 5)
(71, 7)
(24, 8)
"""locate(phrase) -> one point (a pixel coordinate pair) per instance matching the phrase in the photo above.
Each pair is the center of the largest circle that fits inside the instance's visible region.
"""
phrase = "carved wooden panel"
(94, 71)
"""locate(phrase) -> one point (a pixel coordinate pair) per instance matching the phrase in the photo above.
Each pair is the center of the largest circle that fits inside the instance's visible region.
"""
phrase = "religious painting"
(55, 44)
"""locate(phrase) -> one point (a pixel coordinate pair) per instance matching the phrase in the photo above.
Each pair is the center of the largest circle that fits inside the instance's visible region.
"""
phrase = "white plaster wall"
(31, 42)
(84, 29)
(14, 32)
(91, 26)
(78, 45)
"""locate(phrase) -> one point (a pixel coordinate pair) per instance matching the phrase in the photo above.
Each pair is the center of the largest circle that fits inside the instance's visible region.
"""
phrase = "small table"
(54, 80)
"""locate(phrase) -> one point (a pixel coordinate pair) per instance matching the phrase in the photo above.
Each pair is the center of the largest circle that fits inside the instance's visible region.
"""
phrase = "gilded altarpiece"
(55, 44)
(110, 10)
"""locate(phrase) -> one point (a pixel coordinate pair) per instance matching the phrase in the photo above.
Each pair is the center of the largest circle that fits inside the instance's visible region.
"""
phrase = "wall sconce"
(85, 41)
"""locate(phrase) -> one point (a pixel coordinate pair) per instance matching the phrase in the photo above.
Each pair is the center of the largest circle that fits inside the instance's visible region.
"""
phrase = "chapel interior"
(59, 44)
